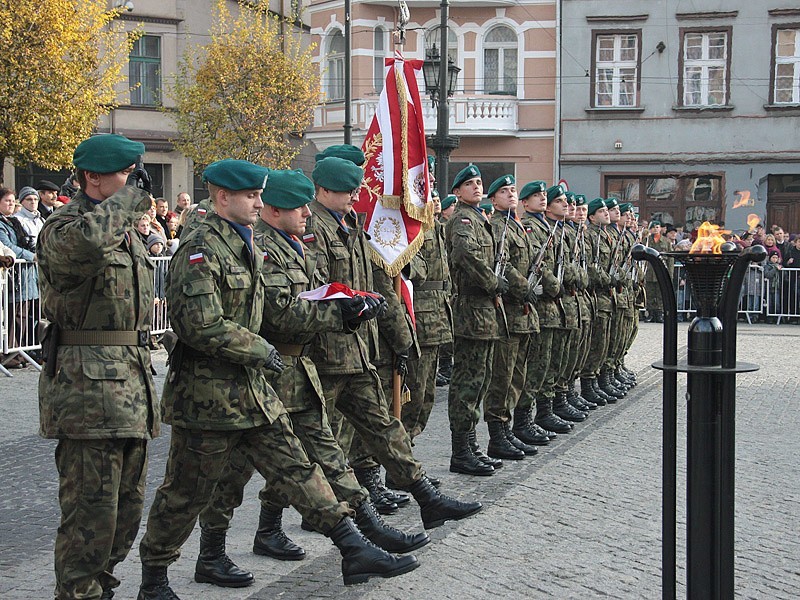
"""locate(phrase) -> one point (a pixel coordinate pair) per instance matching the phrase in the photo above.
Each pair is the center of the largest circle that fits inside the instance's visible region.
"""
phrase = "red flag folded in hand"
(334, 291)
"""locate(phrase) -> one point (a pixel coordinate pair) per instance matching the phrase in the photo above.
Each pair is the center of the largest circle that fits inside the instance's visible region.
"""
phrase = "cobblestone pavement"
(580, 520)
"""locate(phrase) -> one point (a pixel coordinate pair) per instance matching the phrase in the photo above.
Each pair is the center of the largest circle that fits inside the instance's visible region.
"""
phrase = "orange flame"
(709, 239)
(752, 221)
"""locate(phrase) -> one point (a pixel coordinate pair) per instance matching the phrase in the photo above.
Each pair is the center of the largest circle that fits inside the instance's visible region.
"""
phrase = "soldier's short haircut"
(80, 175)
(212, 191)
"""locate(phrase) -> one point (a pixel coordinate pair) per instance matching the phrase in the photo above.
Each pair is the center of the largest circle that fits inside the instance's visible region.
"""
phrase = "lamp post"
(440, 82)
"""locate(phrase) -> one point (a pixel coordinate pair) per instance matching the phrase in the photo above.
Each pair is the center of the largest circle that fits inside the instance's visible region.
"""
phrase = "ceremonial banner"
(396, 195)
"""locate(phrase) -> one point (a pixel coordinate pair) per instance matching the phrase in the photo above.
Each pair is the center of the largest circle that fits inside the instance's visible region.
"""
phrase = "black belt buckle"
(144, 338)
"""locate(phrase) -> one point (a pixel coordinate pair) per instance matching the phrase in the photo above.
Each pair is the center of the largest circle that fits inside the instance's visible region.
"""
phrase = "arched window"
(433, 37)
(334, 59)
(500, 61)
(379, 57)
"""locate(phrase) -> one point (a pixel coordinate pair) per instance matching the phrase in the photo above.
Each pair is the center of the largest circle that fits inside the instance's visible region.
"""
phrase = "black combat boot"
(608, 386)
(464, 461)
(107, 594)
(436, 508)
(599, 391)
(587, 391)
(379, 533)
(627, 371)
(361, 559)
(526, 431)
(215, 566)
(374, 473)
(382, 504)
(563, 409)
(272, 541)
(499, 446)
(546, 419)
(155, 585)
(391, 483)
(578, 400)
(495, 463)
(516, 442)
(620, 375)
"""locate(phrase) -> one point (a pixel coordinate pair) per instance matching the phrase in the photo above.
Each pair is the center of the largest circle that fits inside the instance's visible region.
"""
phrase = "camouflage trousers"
(101, 492)
(509, 367)
(313, 430)
(472, 373)
(653, 295)
(586, 347)
(633, 331)
(559, 353)
(446, 357)
(578, 345)
(362, 405)
(617, 338)
(197, 459)
(421, 383)
(599, 344)
(539, 349)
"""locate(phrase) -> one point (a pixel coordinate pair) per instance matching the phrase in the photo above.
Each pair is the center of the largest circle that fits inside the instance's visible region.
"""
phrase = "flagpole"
(397, 381)
(348, 117)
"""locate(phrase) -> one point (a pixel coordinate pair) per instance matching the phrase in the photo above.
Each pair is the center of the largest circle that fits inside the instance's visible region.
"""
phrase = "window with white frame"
(379, 57)
(705, 68)
(787, 66)
(500, 61)
(334, 72)
(616, 70)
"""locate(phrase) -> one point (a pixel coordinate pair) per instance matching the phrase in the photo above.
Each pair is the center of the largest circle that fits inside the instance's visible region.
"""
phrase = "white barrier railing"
(751, 298)
(20, 310)
(783, 293)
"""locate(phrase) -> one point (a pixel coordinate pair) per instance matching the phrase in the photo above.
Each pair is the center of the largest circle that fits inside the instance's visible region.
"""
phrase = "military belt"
(473, 290)
(291, 349)
(429, 286)
(92, 337)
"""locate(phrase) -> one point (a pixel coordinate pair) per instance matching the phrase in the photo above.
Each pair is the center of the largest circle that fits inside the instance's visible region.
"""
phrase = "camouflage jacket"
(580, 247)
(342, 257)
(662, 245)
(395, 330)
(570, 278)
(431, 304)
(95, 275)
(215, 296)
(471, 255)
(602, 246)
(576, 279)
(522, 317)
(290, 320)
(551, 313)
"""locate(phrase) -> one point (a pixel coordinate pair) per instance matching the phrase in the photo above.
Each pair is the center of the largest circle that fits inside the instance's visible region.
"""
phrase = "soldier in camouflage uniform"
(543, 238)
(633, 271)
(290, 324)
(96, 393)
(217, 398)
(344, 361)
(446, 350)
(430, 276)
(655, 306)
(509, 364)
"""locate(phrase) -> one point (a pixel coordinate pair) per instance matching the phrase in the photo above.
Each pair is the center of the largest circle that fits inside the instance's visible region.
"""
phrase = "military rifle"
(535, 273)
(560, 259)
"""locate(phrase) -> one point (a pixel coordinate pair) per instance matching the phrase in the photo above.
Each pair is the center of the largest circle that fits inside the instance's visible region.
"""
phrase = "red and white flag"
(333, 291)
(396, 194)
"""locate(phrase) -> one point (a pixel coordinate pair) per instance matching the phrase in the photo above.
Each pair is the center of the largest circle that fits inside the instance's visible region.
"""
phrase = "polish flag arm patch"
(309, 238)
(196, 258)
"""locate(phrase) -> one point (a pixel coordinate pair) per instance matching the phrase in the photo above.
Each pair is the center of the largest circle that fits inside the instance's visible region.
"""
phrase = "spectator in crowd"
(758, 234)
(155, 247)
(772, 273)
(162, 208)
(680, 234)
(143, 227)
(792, 258)
(48, 197)
(24, 287)
(770, 245)
(183, 202)
(28, 215)
(71, 186)
(672, 235)
(155, 226)
(173, 221)
(781, 240)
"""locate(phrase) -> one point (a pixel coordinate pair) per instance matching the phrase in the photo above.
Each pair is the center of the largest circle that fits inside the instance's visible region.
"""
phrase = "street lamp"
(440, 83)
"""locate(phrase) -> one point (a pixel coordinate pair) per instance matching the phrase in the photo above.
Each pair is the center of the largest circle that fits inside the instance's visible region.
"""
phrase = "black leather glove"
(275, 362)
(139, 178)
(401, 362)
(502, 285)
(379, 304)
(351, 307)
(370, 308)
(534, 291)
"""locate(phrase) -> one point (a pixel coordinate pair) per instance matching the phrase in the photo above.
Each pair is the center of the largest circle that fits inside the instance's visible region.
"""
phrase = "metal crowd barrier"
(783, 294)
(20, 311)
(752, 298)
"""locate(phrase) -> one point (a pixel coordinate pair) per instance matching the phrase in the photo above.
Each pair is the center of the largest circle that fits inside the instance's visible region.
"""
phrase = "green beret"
(611, 203)
(448, 201)
(486, 206)
(465, 174)
(107, 153)
(555, 191)
(500, 182)
(345, 151)
(233, 174)
(288, 189)
(595, 205)
(337, 174)
(529, 189)
(654, 224)
(431, 162)
(580, 200)
(434, 193)
(625, 207)
(570, 197)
